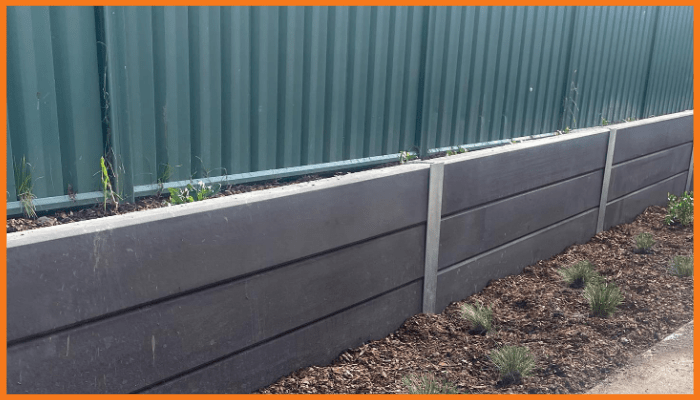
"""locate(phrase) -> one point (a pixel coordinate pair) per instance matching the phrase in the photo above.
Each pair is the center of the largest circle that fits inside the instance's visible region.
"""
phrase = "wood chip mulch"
(573, 350)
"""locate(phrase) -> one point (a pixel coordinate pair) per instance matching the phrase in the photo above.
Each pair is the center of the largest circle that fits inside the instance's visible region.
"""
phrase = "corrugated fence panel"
(670, 86)
(205, 94)
(11, 188)
(608, 67)
(239, 89)
(53, 97)
(493, 73)
(192, 92)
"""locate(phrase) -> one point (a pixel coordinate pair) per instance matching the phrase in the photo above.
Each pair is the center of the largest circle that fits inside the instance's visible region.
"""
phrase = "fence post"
(606, 180)
(432, 236)
(690, 171)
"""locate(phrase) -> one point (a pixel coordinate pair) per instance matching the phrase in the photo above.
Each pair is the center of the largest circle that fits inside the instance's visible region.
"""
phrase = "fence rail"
(170, 94)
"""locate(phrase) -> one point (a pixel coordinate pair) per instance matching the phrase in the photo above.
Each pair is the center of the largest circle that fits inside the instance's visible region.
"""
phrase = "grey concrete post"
(606, 180)
(690, 171)
(432, 237)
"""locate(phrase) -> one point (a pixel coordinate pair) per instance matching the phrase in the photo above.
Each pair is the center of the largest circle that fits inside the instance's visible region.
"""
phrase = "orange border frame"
(3, 126)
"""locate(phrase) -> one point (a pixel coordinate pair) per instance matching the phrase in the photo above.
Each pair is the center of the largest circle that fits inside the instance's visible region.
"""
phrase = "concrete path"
(666, 368)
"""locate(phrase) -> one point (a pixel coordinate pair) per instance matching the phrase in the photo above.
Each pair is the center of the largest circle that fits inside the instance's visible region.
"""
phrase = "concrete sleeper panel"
(316, 344)
(643, 171)
(626, 208)
(478, 230)
(475, 179)
(464, 279)
(61, 275)
(133, 350)
(639, 138)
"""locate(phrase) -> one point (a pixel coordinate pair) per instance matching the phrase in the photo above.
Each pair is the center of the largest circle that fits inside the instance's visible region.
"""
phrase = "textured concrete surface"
(666, 368)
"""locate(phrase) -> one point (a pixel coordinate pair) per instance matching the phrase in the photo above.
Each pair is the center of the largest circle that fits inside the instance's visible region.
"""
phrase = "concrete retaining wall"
(230, 294)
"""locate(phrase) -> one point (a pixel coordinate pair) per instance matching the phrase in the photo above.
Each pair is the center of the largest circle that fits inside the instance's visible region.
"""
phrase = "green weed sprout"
(682, 266)
(191, 194)
(604, 122)
(24, 186)
(405, 156)
(427, 384)
(107, 190)
(603, 298)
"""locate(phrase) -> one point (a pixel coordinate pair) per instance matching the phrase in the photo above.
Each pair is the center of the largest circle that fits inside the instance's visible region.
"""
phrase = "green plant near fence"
(24, 186)
(190, 193)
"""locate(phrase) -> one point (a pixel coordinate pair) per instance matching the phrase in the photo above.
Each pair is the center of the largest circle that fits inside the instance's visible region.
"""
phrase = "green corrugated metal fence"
(170, 94)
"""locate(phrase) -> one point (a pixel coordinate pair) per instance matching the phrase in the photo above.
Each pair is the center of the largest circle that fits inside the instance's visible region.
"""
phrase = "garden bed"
(573, 350)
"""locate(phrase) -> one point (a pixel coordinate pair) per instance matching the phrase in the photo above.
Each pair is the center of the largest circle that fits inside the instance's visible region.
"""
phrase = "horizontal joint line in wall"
(512, 242)
(265, 341)
(650, 154)
(646, 187)
(510, 197)
(175, 296)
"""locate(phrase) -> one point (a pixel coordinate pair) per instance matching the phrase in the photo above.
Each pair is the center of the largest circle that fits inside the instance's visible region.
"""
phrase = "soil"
(66, 216)
(573, 350)
(75, 214)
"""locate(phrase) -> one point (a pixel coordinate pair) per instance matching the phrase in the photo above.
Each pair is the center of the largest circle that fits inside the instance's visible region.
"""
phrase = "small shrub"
(480, 318)
(513, 362)
(680, 210)
(644, 241)
(427, 384)
(682, 266)
(603, 298)
(579, 274)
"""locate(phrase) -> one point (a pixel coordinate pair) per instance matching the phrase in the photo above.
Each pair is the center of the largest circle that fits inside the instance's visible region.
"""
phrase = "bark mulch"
(573, 350)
